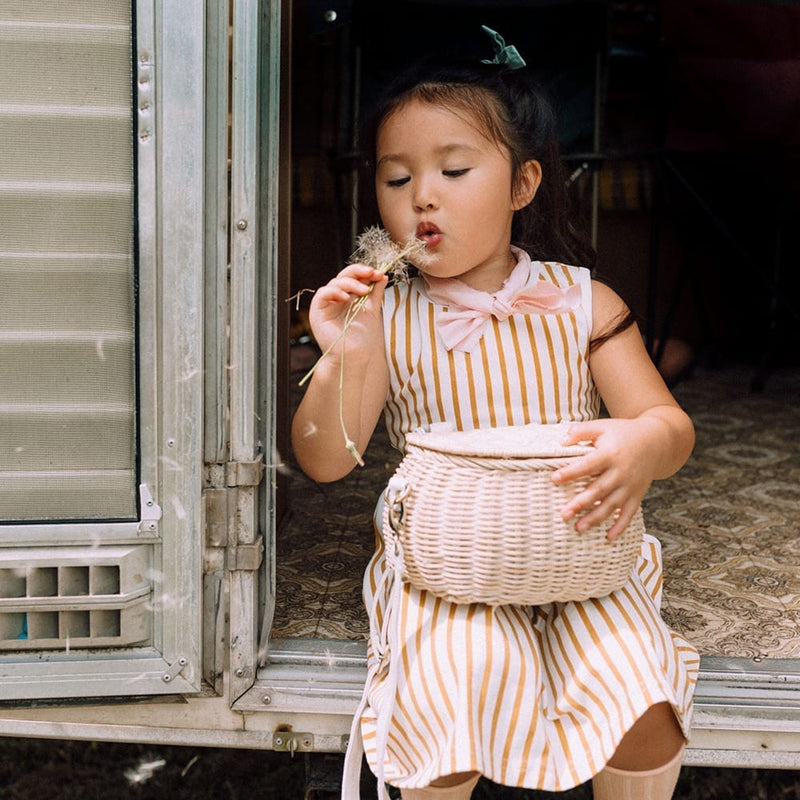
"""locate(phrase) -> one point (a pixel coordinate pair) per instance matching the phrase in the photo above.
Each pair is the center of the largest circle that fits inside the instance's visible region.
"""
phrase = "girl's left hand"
(620, 467)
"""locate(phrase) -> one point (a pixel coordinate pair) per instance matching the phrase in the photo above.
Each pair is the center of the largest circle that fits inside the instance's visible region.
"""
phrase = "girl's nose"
(424, 196)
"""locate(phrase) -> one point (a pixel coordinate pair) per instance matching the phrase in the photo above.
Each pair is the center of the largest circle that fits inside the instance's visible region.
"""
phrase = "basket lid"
(519, 441)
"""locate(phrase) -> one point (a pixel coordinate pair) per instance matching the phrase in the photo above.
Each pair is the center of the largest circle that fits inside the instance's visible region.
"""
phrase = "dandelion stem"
(376, 249)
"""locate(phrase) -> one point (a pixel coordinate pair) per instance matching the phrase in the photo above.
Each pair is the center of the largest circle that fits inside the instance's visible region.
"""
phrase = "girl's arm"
(648, 436)
(317, 437)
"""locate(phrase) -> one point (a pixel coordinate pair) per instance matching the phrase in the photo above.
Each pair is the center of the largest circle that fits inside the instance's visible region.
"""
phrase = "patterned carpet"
(729, 523)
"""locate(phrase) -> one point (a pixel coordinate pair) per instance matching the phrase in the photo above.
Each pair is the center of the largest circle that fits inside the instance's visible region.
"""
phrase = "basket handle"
(396, 492)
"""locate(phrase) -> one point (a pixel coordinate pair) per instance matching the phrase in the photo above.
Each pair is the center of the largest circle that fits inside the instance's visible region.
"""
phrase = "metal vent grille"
(75, 598)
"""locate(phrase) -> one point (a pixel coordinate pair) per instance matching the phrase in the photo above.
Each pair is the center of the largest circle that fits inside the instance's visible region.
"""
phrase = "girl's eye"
(454, 173)
(398, 182)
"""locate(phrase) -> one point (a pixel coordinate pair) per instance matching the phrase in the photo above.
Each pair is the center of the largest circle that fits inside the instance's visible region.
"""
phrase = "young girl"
(548, 697)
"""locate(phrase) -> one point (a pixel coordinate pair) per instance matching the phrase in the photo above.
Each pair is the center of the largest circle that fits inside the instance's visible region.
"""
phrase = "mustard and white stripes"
(531, 697)
(529, 368)
(538, 698)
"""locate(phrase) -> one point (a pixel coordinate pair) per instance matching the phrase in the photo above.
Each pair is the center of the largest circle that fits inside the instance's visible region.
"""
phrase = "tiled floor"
(729, 523)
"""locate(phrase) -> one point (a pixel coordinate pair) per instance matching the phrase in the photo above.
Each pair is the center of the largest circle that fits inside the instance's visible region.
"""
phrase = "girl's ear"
(527, 182)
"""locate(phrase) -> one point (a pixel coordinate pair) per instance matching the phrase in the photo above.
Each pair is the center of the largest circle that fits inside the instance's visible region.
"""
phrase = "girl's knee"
(457, 786)
(655, 738)
(456, 779)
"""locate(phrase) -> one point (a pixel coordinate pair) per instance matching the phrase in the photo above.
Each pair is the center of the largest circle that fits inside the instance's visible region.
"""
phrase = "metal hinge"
(244, 473)
(220, 528)
(215, 502)
(244, 557)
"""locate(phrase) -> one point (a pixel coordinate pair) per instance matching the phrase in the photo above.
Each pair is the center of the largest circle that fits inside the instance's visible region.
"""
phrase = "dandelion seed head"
(375, 248)
(417, 253)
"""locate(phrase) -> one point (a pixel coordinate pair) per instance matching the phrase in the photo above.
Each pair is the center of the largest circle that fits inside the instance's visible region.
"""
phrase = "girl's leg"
(647, 762)
(453, 787)
(653, 784)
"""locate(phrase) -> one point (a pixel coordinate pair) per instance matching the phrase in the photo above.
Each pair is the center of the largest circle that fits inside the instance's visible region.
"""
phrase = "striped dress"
(530, 697)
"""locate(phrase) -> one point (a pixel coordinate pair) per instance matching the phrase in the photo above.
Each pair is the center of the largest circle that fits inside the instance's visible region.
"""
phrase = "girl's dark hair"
(515, 112)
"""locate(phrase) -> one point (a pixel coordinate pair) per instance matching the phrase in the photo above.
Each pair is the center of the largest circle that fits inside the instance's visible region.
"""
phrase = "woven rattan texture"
(489, 530)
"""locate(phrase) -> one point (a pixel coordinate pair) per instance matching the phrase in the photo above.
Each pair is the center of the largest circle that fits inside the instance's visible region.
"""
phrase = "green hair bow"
(505, 55)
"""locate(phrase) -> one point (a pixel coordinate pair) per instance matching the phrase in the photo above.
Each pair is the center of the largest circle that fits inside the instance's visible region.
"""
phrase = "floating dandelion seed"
(170, 463)
(194, 760)
(375, 248)
(311, 430)
(144, 771)
(278, 464)
(180, 511)
(263, 649)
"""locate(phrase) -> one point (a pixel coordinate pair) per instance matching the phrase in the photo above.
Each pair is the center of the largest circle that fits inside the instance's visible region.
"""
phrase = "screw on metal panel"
(266, 699)
(242, 224)
(239, 672)
(166, 677)
(170, 443)
(330, 15)
(278, 741)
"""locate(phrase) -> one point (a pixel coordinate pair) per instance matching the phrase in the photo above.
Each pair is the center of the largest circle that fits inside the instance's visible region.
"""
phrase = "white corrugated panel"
(67, 334)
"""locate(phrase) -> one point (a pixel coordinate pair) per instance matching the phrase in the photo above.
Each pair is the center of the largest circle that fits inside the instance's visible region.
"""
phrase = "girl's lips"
(429, 233)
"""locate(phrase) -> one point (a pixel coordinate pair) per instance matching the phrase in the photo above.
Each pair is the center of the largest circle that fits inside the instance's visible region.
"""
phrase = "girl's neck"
(490, 278)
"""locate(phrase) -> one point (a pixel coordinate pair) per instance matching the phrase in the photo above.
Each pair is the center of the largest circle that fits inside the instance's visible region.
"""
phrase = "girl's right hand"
(331, 304)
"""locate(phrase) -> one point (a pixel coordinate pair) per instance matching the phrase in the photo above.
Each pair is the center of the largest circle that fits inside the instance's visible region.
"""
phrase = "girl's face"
(441, 179)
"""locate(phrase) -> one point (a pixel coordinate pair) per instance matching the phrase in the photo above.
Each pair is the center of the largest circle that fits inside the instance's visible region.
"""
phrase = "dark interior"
(681, 127)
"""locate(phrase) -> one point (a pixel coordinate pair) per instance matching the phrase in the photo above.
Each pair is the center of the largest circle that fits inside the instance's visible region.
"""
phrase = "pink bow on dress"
(469, 310)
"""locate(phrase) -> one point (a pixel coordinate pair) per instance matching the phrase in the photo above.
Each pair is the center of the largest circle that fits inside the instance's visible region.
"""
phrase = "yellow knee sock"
(652, 784)
(463, 791)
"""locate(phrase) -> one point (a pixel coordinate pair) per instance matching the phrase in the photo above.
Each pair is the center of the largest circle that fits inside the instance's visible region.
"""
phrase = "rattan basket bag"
(474, 517)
